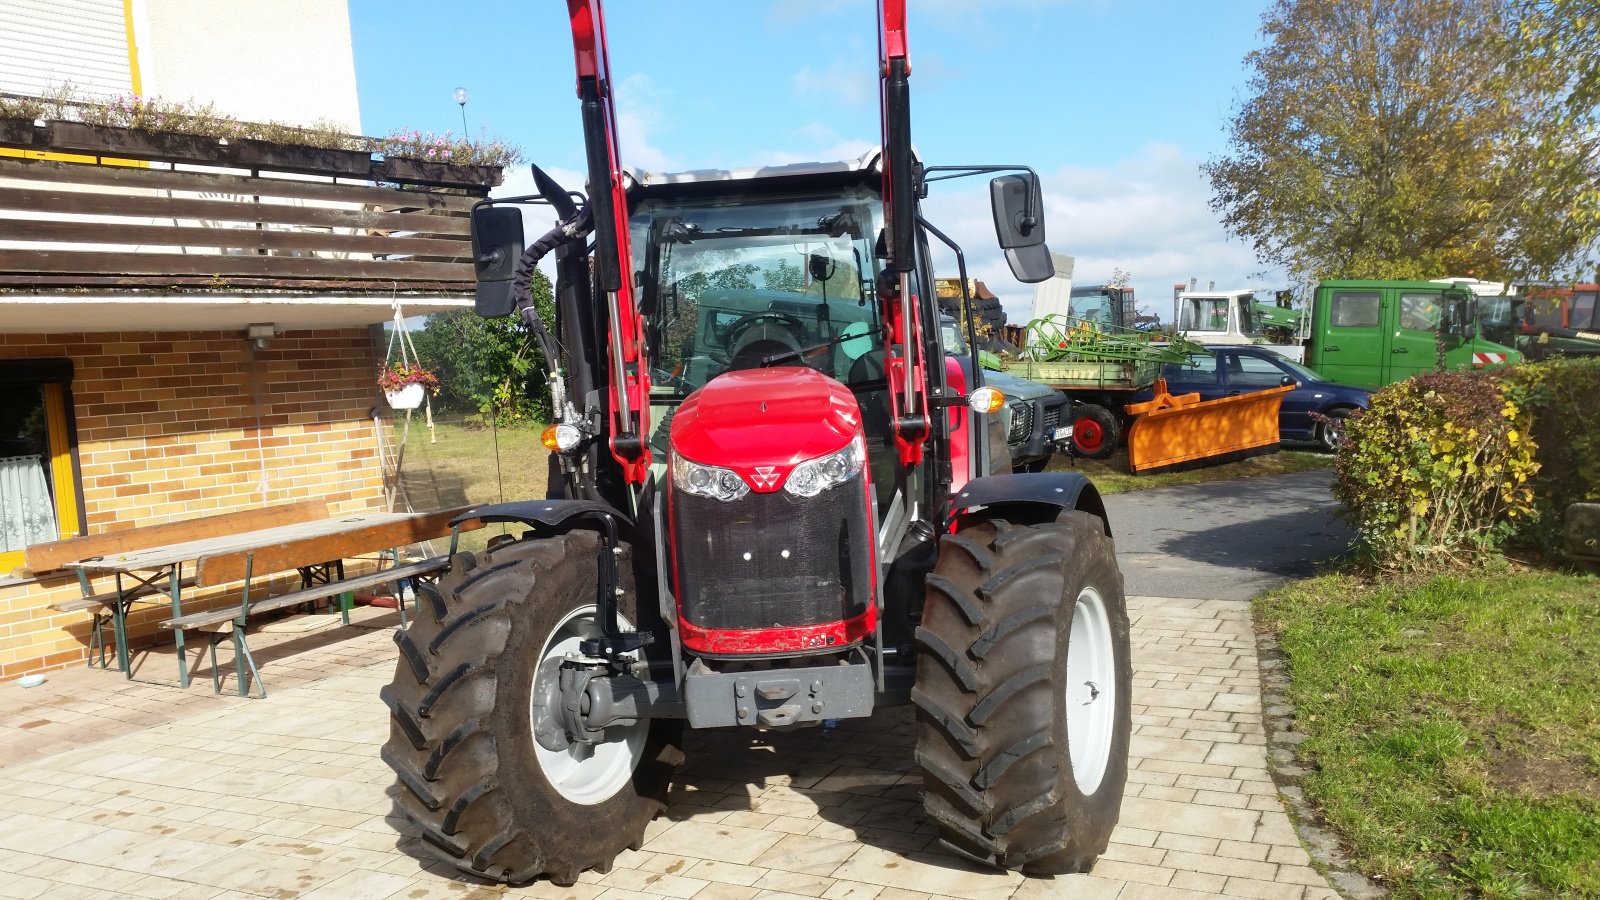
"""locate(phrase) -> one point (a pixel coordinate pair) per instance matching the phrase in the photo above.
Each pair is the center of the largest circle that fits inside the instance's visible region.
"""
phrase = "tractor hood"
(771, 417)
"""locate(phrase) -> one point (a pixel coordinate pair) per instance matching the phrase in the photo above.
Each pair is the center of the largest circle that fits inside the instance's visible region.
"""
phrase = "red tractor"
(770, 506)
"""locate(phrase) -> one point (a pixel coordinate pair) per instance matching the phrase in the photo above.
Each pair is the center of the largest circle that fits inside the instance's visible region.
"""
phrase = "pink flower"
(430, 152)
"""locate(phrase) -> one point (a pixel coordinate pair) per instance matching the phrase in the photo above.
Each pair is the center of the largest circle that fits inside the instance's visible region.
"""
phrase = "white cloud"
(1147, 215)
(815, 142)
(639, 105)
(848, 82)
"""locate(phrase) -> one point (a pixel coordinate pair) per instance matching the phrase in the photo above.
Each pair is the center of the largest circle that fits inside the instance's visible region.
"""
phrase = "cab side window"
(1421, 312)
(1354, 309)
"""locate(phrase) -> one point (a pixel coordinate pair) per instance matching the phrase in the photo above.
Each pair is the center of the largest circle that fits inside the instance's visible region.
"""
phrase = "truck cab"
(1373, 333)
(1232, 318)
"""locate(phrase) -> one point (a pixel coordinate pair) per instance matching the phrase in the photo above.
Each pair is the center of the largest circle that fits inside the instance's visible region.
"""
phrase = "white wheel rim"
(1091, 691)
(580, 775)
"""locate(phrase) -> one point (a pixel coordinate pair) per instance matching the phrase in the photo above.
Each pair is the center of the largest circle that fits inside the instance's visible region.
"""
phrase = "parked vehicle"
(1549, 321)
(1036, 418)
(1373, 333)
(1228, 370)
(1234, 317)
(764, 512)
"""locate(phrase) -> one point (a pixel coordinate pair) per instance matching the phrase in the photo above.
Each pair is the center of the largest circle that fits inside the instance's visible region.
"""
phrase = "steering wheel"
(738, 326)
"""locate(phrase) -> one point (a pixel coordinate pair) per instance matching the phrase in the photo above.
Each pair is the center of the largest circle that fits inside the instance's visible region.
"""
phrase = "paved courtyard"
(129, 789)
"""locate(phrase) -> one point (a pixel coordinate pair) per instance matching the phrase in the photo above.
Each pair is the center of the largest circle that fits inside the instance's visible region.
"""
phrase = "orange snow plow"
(1170, 431)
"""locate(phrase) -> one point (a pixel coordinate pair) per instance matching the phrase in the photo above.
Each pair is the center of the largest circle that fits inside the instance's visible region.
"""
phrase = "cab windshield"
(769, 281)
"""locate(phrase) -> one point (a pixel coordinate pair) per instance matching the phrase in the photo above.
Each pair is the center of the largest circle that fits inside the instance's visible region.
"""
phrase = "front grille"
(1052, 418)
(1021, 422)
(732, 568)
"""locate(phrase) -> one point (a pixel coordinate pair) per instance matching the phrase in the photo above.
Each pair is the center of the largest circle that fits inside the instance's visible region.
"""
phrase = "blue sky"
(1115, 103)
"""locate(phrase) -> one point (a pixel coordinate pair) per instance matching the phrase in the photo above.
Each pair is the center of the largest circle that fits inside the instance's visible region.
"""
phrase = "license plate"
(1063, 433)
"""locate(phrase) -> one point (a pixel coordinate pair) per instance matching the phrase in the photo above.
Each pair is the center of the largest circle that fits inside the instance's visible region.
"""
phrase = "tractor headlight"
(814, 476)
(707, 481)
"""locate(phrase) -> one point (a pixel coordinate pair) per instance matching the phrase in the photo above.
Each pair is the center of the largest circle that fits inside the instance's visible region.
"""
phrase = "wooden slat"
(210, 182)
(51, 556)
(35, 200)
(222, 568)
(239, 238)
(217, 264)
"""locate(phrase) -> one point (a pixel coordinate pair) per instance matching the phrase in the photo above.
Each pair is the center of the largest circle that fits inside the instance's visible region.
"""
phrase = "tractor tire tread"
(465, 774)
(992, 748)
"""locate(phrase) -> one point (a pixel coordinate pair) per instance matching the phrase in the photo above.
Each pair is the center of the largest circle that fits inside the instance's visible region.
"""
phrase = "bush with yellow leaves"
(1563, 396)
(1437, 473)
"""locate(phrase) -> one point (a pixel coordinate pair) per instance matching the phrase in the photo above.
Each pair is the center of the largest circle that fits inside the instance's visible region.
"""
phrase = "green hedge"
(1436, 473)
(1563, 395)
(1447, 468)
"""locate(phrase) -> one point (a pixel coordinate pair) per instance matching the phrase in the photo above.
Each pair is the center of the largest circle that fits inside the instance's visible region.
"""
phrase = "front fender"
(541, 514)
(1060, 490)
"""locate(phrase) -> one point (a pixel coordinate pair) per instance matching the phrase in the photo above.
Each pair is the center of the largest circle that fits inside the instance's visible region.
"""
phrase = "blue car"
(1228, 370)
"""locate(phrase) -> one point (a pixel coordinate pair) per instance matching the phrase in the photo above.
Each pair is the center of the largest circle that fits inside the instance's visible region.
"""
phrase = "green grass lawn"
(1454, 727)
(468, 465)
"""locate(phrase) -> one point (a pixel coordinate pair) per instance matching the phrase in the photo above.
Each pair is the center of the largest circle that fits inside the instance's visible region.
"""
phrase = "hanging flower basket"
(407, 384)
(408, 397)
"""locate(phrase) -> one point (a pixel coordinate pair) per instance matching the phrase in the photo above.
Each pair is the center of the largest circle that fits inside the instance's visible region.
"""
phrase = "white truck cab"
(1228, 317)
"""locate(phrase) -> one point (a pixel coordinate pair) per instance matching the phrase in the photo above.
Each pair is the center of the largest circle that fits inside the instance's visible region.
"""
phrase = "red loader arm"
(902, 322)
(629, 384)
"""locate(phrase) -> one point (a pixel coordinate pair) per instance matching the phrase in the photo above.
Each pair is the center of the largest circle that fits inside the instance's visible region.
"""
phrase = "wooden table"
(140, 573)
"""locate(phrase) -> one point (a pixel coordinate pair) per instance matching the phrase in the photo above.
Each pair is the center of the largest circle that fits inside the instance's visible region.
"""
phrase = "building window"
(39, 495)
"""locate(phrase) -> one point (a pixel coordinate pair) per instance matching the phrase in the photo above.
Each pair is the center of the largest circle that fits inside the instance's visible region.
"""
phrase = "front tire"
(1331, 430)
(1095, 431)
(1023, 693)
(485, 794)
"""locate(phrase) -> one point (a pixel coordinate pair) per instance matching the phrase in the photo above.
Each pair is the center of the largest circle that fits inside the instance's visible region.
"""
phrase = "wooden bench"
(102, 605)
(232, 620)
(113, 605)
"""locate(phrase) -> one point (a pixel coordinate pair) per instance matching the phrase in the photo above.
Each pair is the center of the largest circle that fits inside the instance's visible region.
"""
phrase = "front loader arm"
(628, 387)
(902, 319)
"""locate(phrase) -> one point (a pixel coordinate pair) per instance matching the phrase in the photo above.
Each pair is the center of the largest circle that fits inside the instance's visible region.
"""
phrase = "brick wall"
(169, 427)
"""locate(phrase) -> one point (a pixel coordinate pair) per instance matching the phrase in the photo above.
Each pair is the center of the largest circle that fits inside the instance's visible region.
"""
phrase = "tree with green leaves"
(1405, 140)
(490, 368)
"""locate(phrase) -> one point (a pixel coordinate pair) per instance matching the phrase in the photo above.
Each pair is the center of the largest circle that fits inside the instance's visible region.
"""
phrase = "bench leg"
(216, 676)
(97, 640)
(174, 590)
(241, 660)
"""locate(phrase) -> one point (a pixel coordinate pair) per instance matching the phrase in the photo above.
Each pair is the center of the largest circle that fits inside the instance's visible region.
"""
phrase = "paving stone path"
(119, 789)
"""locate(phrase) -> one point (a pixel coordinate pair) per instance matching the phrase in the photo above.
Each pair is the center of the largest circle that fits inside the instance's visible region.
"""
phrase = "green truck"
(1373, 333)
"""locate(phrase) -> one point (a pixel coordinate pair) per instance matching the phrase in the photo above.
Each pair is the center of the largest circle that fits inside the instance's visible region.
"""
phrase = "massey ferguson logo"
(765, 477)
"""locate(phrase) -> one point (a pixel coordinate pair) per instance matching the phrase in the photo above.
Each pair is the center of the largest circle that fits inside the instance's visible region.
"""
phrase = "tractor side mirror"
(1019, 224)
(496, 247)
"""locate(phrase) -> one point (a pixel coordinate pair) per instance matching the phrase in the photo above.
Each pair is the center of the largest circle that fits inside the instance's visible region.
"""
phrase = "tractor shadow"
(852, 780)
(837, 785)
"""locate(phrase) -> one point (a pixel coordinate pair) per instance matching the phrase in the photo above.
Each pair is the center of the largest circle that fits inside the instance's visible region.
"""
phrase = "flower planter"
(419, 171)
(256, 153)
(408, 397)
(103, 140)
(18, 132)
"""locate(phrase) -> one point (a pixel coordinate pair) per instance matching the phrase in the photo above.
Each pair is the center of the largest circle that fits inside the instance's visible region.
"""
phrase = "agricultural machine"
(769, 507)
(1102, 363)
